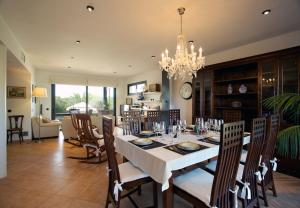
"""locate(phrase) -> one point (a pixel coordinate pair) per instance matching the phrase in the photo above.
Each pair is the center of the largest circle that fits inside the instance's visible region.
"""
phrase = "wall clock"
(186, 91)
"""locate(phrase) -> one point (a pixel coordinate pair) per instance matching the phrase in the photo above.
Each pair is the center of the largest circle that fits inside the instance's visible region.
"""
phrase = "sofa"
(49, 128)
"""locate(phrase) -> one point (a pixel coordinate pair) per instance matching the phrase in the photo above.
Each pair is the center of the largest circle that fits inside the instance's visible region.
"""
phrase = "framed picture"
(33, 98)
(16, 92)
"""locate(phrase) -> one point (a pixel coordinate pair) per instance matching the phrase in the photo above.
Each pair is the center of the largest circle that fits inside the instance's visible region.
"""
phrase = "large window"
(136, 87)
(86, 99)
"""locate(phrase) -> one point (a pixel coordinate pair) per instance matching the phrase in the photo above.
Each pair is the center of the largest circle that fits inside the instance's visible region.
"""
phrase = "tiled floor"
(41, 175)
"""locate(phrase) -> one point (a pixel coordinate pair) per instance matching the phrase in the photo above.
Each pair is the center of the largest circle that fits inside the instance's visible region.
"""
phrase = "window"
(87, 99)
(136, 87)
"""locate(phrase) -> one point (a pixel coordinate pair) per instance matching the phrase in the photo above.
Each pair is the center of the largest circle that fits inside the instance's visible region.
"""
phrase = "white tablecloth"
(160, 162)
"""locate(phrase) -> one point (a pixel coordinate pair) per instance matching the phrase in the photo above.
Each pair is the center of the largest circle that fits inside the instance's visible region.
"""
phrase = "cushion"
(96, 134)
(198, 183)
(213, 165)
(46, 120)
(128, 172)
(244, 156)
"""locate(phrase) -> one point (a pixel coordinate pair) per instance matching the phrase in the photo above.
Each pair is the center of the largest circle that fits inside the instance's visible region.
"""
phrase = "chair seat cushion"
(128, 172)
(101, 142)
(244, 156)
(99, 136)
(198, 183)
(213, 165)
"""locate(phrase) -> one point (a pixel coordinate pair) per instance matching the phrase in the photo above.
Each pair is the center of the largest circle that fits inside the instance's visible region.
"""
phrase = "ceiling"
(120, 33)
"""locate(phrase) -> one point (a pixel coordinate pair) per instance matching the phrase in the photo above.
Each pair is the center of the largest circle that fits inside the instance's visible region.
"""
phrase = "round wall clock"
(186, 90)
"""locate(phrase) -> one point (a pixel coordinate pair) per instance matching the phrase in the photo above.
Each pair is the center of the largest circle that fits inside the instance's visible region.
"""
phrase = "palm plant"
(288, 141)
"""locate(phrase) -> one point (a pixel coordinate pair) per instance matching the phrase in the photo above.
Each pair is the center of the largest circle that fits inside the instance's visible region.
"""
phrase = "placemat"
(155, 144)
(207, 140)
(174, 148)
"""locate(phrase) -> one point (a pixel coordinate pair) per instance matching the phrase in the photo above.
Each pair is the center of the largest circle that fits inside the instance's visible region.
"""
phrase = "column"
(3, 154)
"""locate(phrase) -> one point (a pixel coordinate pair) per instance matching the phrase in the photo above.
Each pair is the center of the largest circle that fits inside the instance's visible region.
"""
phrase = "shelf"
(148, 101)
(236, 80)
(232, 108)
(151, 93)
(236, 94)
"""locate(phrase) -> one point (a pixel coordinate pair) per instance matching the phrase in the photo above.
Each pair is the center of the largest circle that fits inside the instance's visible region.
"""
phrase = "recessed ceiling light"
(77, 41)
(114, 72)
(153, 57)
(72, 57)
(266, 12)
(90, 8)
(69, 67)
(129, 65)
(191, 41)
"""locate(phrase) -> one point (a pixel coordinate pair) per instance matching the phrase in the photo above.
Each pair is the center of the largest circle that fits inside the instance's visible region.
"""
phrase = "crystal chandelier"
(184, 63)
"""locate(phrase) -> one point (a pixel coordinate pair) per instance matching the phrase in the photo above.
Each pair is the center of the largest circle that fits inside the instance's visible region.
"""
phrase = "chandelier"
(184, 63)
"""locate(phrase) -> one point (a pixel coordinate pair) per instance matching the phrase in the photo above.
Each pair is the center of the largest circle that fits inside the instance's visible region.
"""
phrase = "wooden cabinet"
(264, 76)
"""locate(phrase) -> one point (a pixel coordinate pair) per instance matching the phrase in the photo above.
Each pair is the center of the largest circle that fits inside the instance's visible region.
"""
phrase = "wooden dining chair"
(249, 172)
(273, 124)
(174, 116)
(15, 127)
(153, 116)
(232, 115)
(124, 176)
(93, 144)
(203, 189)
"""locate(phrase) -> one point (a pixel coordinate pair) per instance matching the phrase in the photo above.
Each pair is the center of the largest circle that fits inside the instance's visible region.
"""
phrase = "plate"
(214, 138)
(146, 133)
(189, 146)
(142, 142)
(190, 127)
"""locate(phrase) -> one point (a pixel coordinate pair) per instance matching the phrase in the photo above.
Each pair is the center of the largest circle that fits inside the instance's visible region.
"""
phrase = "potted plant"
(288, 139)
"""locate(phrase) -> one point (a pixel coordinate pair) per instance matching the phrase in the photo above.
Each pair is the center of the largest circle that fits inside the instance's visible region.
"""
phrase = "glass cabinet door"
(207, 88)
(289, 70)
(269, 83)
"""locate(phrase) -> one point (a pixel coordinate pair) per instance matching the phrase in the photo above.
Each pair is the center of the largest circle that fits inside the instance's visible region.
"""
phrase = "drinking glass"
(183, 126)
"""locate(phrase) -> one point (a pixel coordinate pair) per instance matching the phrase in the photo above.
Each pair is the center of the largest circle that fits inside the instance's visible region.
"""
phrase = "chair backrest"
(86, 128)
(153, 116)
(174, 116)
(273, 124)
(114, 174)
(16, 121)
(131, 125)
(231, 144)
(232, 115)
(253, 156)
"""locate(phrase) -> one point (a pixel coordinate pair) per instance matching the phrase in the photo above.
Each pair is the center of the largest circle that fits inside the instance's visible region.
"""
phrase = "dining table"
(162, 159)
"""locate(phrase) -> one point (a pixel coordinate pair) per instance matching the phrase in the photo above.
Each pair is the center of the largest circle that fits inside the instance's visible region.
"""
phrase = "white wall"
(3, 155)
(22, 78)
(283, 41)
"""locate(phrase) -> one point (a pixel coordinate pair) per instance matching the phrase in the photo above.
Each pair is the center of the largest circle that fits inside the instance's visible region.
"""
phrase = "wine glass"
(172, 132)
(183, 126)
(162, 129)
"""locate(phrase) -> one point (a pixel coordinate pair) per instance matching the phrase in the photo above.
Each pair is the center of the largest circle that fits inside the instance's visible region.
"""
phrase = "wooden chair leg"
(11, 137)
(139, 190)
(20, 138)
(155, 198)
(263, 190)
(274, 190)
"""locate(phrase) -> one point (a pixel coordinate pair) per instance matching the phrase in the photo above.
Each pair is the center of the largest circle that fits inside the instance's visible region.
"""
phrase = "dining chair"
(91, 140)
(232, 115)
(123, 176)
(174, 116)
(203, 189)
(268, 159)
(249, 174)
(15, 127)
(153, 116)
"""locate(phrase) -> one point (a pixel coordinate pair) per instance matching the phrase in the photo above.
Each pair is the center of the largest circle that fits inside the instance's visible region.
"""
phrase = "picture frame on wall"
(33, 98)
(16, 92)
